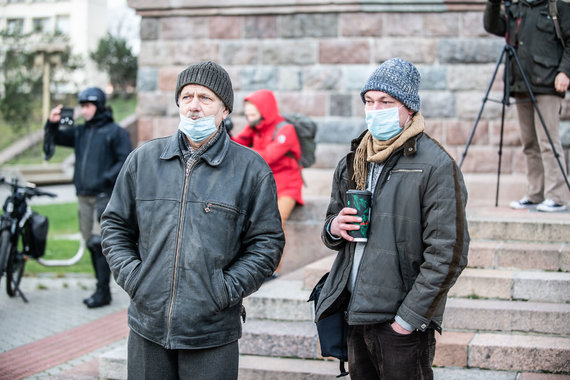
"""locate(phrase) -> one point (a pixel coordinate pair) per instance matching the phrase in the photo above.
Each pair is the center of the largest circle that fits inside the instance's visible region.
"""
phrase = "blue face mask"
(198, 130)
(384, 124)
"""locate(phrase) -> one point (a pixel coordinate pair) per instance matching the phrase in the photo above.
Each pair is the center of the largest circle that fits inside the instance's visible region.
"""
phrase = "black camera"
(66, 114)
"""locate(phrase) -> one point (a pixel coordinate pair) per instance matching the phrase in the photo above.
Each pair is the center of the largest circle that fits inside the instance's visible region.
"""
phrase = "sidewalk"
(54, 335)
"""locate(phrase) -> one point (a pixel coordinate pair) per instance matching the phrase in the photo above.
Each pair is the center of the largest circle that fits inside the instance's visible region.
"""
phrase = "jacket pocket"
(404, 171)
(221, 299)
(405, 267)
(132, 283)
(544, 23)
(544, 69)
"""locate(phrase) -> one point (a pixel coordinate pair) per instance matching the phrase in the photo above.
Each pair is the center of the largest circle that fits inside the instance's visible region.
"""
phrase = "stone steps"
(483, 350)
(285, 300)
(485, 283)
(256, 367)
(506, 318)
(502, 238)
(494, 254)
(497, 335)
(513, 285)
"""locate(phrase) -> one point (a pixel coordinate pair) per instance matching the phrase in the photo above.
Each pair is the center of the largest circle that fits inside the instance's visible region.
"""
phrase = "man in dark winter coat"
(101, 147)
(544, 54)
(393, 287)
(191, 229)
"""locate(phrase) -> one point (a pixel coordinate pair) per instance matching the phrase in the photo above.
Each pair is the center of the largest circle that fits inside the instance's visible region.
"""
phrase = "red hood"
(266, 104)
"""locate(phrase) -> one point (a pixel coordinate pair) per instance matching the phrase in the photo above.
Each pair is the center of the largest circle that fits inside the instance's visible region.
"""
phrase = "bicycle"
(23, 234)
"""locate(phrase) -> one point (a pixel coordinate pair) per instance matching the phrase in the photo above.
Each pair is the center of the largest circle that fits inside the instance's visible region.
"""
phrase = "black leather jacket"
(533, 35)
(417, 240)
(101, 147)
(188, 241)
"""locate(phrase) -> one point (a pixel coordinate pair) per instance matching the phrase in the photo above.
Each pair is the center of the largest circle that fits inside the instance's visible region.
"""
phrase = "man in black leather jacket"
(545, 59)
(191, 229)
(100, 147)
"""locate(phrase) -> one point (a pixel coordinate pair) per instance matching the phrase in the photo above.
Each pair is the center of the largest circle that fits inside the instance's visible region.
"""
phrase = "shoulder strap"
(553, 10)
(278, 127)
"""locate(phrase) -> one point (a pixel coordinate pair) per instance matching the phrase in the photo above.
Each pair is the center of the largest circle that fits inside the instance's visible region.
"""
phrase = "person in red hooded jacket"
(279, 147)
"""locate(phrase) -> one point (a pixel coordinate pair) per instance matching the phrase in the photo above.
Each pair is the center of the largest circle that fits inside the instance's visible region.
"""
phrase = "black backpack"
(306, 130)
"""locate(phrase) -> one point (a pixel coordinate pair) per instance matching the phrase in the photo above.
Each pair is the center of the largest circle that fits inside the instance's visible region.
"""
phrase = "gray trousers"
(544, 177)
(88, 221)
(150, 361)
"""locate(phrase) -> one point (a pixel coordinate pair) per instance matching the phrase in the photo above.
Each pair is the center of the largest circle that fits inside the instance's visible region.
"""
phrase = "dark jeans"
(150, 361)
(377, 352)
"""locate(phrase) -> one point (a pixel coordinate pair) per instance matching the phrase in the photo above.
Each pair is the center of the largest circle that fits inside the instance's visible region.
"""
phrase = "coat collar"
(213, 155)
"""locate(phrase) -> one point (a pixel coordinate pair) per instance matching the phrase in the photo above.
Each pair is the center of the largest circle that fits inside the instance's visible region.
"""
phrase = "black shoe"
(89, 299)
(98, 299)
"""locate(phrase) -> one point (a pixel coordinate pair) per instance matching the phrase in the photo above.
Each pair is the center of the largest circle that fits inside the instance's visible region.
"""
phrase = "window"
(15, 26)
(62, 24)
(41, 25)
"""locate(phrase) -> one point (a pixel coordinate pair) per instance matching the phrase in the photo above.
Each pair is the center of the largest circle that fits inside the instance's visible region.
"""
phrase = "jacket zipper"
(179, 239)
(86, 153)
(379, 184)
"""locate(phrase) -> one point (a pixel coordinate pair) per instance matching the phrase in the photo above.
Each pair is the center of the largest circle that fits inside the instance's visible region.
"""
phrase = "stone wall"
(316, 55)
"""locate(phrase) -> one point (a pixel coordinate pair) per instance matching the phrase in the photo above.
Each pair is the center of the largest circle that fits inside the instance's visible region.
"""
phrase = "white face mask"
(385, 123)
(198, 130)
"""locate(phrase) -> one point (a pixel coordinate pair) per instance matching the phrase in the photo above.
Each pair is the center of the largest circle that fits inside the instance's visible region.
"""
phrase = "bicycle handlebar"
(30, 191)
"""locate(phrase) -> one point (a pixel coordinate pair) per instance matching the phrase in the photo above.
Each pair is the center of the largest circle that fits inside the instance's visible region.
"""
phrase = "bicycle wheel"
(4, 250)
(14, 270)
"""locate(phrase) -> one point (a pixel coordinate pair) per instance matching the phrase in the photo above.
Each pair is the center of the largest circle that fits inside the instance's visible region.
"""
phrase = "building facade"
(83, 21)
(316, 55)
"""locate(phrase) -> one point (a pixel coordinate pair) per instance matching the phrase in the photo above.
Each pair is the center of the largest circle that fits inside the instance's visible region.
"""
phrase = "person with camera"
(191, 229)
(392, 283)
(539, 31)
(101, 147)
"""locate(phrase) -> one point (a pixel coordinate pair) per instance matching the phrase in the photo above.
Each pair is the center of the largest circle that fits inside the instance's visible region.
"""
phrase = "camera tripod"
(508, 52)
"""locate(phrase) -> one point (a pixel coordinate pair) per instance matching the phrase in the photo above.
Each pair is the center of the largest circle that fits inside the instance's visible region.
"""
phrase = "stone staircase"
(508, 315)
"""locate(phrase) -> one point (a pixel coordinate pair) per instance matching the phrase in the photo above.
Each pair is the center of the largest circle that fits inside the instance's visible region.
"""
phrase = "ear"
(225, 113)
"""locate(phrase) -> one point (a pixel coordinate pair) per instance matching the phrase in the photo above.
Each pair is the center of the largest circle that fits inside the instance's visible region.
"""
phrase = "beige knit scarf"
(377, 151)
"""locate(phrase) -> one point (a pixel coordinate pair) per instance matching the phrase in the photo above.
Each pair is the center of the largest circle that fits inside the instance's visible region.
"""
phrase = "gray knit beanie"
(211, 75)
(399, 79)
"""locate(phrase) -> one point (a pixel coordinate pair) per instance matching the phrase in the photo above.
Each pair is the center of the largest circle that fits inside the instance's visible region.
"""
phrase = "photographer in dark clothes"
(539, 31)
(101, 147)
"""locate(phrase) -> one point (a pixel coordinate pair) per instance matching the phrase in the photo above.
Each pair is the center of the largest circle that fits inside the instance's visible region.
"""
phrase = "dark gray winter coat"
(417, 244)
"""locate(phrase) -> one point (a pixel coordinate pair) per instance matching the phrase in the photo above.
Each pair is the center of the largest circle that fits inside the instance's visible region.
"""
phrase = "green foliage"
(22, 57)
(20, 77)
(114, 57)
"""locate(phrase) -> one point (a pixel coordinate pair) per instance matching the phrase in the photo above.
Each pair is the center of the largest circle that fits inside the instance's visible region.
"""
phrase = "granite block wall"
(316, 55)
